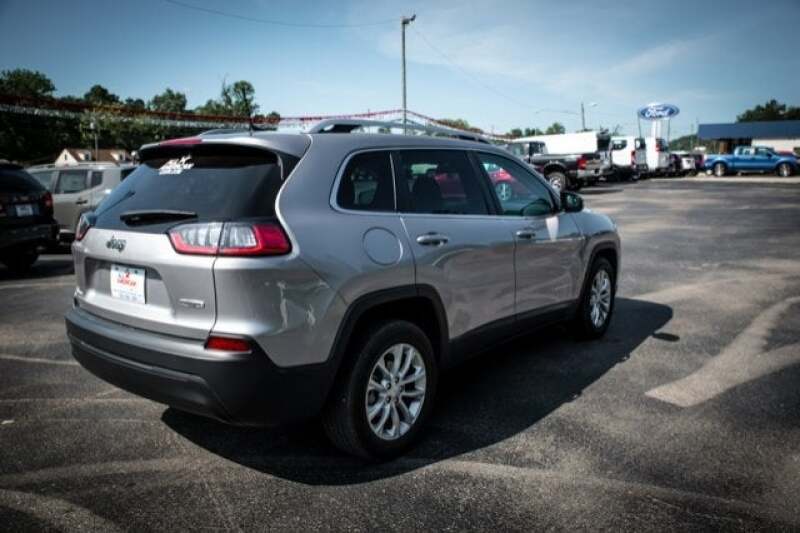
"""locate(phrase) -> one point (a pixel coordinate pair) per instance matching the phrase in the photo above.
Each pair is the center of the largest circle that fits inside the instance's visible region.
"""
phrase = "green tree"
(771, 110)
(240, 98)
(515, 132)
(554, 128)
(169, 101)
(26, 83)
(99, 95)
(135, 103)
(459, 124)
(237, 99)
(32, 138)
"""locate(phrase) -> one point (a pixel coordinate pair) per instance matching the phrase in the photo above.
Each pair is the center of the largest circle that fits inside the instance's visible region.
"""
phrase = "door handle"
(526, 234)
(81, 201)
(432, 239)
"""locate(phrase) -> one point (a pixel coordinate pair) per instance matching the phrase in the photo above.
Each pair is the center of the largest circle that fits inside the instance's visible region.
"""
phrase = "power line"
(474, 79)
(276, 22)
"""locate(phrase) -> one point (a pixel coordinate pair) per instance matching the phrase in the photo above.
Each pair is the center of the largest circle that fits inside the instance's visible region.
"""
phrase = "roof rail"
(336, 125)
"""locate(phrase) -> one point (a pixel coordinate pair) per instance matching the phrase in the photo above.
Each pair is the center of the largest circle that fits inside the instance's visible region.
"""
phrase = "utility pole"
(94, 131)
(405, 21)
(583, 118)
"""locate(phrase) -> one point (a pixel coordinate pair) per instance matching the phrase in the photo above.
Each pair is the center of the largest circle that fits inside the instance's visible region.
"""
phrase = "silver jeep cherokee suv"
(268, 277)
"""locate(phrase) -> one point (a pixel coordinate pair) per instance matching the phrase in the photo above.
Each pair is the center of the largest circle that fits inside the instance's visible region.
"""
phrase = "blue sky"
(496, 64)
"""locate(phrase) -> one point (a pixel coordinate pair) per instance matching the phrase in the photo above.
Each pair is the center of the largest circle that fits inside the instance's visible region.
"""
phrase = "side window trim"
(557, 208)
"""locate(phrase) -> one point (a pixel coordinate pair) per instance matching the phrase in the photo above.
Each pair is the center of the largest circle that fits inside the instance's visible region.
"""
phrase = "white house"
(73, 156)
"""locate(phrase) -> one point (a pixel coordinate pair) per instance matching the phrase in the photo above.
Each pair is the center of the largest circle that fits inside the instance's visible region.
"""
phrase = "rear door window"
(71, 181)
(45, 177)
(439, 182)
(217, 182)
(366, 183)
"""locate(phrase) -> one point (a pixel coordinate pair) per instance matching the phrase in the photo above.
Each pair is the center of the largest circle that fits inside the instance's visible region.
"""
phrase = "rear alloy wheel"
(384, 395)
(719, 170)
(784, 170)
(504, 191)
(558, 180)
(597, 302)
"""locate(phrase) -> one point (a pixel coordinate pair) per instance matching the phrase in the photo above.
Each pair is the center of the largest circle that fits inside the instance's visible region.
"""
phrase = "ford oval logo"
(115, 244)
(658, 111)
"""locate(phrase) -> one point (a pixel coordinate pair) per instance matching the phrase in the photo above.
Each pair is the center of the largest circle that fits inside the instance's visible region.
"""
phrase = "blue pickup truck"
(752, 159)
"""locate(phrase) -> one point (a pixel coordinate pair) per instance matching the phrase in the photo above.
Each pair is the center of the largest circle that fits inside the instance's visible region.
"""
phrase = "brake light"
(183, 141)
(196, 239)
(84, 224)
(228, 344)
(633, 158)
(582, 163)
(47, 200)
(254, 239)
(230, 239)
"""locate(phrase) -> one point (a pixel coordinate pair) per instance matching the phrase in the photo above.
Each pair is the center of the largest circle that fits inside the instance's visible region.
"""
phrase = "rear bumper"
(236, 388)
(39, 234)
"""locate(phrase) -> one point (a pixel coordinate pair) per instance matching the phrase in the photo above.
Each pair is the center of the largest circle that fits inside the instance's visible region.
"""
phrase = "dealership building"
(782, 135)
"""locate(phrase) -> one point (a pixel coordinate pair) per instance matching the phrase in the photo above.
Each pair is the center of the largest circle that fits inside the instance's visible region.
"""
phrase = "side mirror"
(571, 202)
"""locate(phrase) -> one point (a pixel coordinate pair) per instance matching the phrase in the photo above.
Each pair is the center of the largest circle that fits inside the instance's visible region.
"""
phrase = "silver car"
(259, 279)
(78, 189)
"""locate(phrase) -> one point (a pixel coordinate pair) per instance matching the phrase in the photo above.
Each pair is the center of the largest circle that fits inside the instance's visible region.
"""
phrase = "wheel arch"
(608, 251)
(419, 304)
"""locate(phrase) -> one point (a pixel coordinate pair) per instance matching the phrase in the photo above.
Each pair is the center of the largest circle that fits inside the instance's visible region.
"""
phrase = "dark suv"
(268, 277)
(26, 218)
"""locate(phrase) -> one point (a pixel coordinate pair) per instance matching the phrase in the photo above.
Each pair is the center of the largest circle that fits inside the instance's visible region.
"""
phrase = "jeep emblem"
(115, 244)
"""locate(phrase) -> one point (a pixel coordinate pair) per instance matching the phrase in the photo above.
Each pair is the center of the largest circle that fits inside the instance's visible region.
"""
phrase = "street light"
(583, 114)
(405, 21)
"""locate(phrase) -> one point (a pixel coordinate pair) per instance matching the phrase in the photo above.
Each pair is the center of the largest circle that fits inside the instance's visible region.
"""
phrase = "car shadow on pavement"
(489, 399)
(44, 267)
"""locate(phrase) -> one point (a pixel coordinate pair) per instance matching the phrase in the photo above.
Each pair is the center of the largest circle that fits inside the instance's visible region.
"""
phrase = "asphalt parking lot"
(684, 416)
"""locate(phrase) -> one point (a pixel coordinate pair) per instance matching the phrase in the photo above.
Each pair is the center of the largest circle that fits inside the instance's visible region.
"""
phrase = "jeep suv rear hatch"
(147, 257)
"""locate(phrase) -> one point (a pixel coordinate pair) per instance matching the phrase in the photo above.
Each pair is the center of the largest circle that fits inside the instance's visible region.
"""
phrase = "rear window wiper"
(154, 216)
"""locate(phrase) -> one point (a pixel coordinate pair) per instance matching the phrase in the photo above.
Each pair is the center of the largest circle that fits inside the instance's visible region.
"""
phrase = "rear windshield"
(217, 182)
(15, 181)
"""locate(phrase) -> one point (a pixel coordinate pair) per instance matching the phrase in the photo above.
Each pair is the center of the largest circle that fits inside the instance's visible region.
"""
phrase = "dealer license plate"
(127, 283)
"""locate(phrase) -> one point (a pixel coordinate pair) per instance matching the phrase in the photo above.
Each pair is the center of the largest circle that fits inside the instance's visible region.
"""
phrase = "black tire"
(784, 170)
(720, 169)
(344, 417)
(583, 325)
(20, 262)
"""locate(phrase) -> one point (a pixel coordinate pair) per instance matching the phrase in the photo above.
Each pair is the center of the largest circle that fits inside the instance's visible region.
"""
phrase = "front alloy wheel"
(719, 170)
(784, 170)
(600, 298)
(395, 392)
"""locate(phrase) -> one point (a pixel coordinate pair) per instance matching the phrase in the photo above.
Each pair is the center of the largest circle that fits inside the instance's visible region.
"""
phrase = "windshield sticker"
(176, 166)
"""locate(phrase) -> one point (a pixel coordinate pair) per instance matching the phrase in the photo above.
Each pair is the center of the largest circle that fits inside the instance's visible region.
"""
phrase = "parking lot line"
(36, 360)
(743, 360)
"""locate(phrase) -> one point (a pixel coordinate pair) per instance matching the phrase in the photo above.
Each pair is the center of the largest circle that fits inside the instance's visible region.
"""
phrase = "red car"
(504, 183)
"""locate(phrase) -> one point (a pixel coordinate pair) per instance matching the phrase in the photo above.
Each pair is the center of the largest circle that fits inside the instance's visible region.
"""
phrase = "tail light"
(84, 224)
(228, 344)
(633, 158)
(230, 239)
(47, 202)
(582, 163)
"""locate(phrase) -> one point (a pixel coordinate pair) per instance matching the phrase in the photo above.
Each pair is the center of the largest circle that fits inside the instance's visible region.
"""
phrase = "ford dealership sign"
(658, 111)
